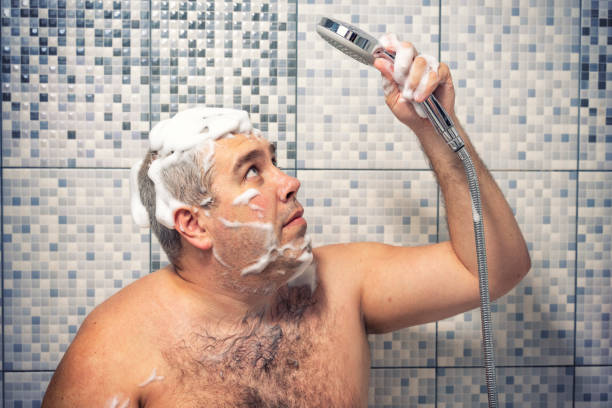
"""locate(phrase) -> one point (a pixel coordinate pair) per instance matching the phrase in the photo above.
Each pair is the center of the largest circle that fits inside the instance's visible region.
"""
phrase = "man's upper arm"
(406, 286)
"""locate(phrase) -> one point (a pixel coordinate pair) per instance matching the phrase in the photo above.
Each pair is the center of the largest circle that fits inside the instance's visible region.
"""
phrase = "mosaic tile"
(25, 389)
(394, 207)
(593, 387)
(594, 286)
(413, 346)
(595, 89)
(524, 387)
(230, 54)
(515, 68)
(75, 83)
(69, 244)
(534, 322)
(402, 387)
(342, 118)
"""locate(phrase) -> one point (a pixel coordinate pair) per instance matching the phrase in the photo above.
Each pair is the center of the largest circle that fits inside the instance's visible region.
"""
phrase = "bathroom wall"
(84, 80)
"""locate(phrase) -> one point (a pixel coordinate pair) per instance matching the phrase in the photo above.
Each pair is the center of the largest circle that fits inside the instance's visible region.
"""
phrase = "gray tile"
(593, 387)
(402, 387)
(69, 244)
(515, 67)
(25, 389)
(595, 92)
(394, 207)
(594, 286)
(78, 86)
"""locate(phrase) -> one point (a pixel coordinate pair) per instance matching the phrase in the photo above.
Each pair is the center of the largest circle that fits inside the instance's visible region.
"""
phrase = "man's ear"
(186, 223)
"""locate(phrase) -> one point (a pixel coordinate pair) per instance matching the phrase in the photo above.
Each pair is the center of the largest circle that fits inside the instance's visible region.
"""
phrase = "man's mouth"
(296, 218)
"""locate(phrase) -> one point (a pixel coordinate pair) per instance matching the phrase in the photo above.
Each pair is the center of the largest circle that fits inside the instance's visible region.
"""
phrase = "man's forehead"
(247, 141)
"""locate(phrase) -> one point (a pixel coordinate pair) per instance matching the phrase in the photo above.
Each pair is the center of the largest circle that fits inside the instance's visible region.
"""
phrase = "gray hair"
(187, 181)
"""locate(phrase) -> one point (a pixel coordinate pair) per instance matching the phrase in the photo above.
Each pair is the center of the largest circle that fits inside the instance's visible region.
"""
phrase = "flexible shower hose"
(483, 280)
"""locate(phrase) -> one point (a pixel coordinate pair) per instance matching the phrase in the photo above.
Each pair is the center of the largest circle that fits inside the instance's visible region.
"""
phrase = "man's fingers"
(385, 67)
(432, 84)
(419, 66)
(444, 74)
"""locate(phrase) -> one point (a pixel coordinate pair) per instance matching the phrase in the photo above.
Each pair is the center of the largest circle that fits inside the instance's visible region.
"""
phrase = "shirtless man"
(248, 314)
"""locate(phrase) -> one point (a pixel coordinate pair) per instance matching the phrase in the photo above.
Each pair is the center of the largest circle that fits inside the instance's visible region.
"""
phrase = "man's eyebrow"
(251, 155)
(272, 147)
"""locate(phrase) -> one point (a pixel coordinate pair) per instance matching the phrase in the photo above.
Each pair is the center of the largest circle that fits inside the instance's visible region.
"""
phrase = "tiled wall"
(83, 80)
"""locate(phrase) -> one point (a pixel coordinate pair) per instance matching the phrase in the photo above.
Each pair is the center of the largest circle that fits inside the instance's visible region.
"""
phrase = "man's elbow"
(512, 274)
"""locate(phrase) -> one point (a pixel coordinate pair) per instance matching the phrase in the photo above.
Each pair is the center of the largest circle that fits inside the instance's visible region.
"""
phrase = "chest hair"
(264, 363)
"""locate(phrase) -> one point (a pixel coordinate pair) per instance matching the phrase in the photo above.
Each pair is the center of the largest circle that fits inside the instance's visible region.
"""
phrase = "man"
(248, 314)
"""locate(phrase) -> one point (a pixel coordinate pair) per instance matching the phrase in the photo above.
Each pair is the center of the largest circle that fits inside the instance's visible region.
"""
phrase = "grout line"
(150, 114)
(445, 367)
(450, 367)
(295, 168)
(577, 203)
(2, 250)
(295, 119)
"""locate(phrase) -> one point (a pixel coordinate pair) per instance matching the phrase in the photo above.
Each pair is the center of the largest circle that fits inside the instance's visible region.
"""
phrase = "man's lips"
(296, 218)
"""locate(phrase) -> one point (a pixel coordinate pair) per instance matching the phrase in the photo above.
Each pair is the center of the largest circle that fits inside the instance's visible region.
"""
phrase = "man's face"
(256, 219)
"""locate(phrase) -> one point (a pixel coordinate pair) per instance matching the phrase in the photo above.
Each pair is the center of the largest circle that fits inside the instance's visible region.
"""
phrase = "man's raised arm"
(407, 286)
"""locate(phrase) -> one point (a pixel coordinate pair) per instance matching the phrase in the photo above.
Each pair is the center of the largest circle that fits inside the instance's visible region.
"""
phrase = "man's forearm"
(508, 259)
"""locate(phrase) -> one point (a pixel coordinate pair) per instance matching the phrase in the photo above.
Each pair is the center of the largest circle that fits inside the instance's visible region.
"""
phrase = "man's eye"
(253, 172)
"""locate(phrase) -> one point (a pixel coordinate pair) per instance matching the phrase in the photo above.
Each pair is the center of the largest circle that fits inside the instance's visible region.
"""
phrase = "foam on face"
(245, 197)
(114, 403)
(404, 58)
(304, 274)
(195, 128)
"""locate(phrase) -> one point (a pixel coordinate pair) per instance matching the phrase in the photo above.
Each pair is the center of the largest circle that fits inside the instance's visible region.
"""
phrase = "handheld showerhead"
(351, 40)
(365, 48)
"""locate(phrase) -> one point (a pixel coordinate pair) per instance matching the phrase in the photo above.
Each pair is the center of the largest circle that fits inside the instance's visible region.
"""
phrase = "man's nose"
(287, 187)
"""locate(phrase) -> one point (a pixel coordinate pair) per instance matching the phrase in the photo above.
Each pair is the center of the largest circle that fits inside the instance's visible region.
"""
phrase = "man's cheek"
(258, 205)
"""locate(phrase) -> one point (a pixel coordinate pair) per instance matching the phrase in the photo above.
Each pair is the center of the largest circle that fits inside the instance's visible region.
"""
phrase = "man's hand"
(412, 78)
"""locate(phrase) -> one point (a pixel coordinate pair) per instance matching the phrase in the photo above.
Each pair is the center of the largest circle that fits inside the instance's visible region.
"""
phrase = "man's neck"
(214, 295)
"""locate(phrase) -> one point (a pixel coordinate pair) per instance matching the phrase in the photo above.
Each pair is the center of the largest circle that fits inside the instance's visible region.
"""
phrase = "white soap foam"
(475, 215)
(258, 210)
(244, 198)
(152, 377)
(114, 403)
(198, 127)
(206, 201)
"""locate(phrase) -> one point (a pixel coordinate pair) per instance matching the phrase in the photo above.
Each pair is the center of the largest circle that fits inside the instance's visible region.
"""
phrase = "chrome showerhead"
(351, 40)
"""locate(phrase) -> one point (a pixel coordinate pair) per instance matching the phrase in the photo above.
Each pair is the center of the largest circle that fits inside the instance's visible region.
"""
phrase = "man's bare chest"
(287, 363)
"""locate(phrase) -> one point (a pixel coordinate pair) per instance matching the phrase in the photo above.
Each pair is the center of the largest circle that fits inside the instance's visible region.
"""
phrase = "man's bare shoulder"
(341, 267)
(103, 361)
